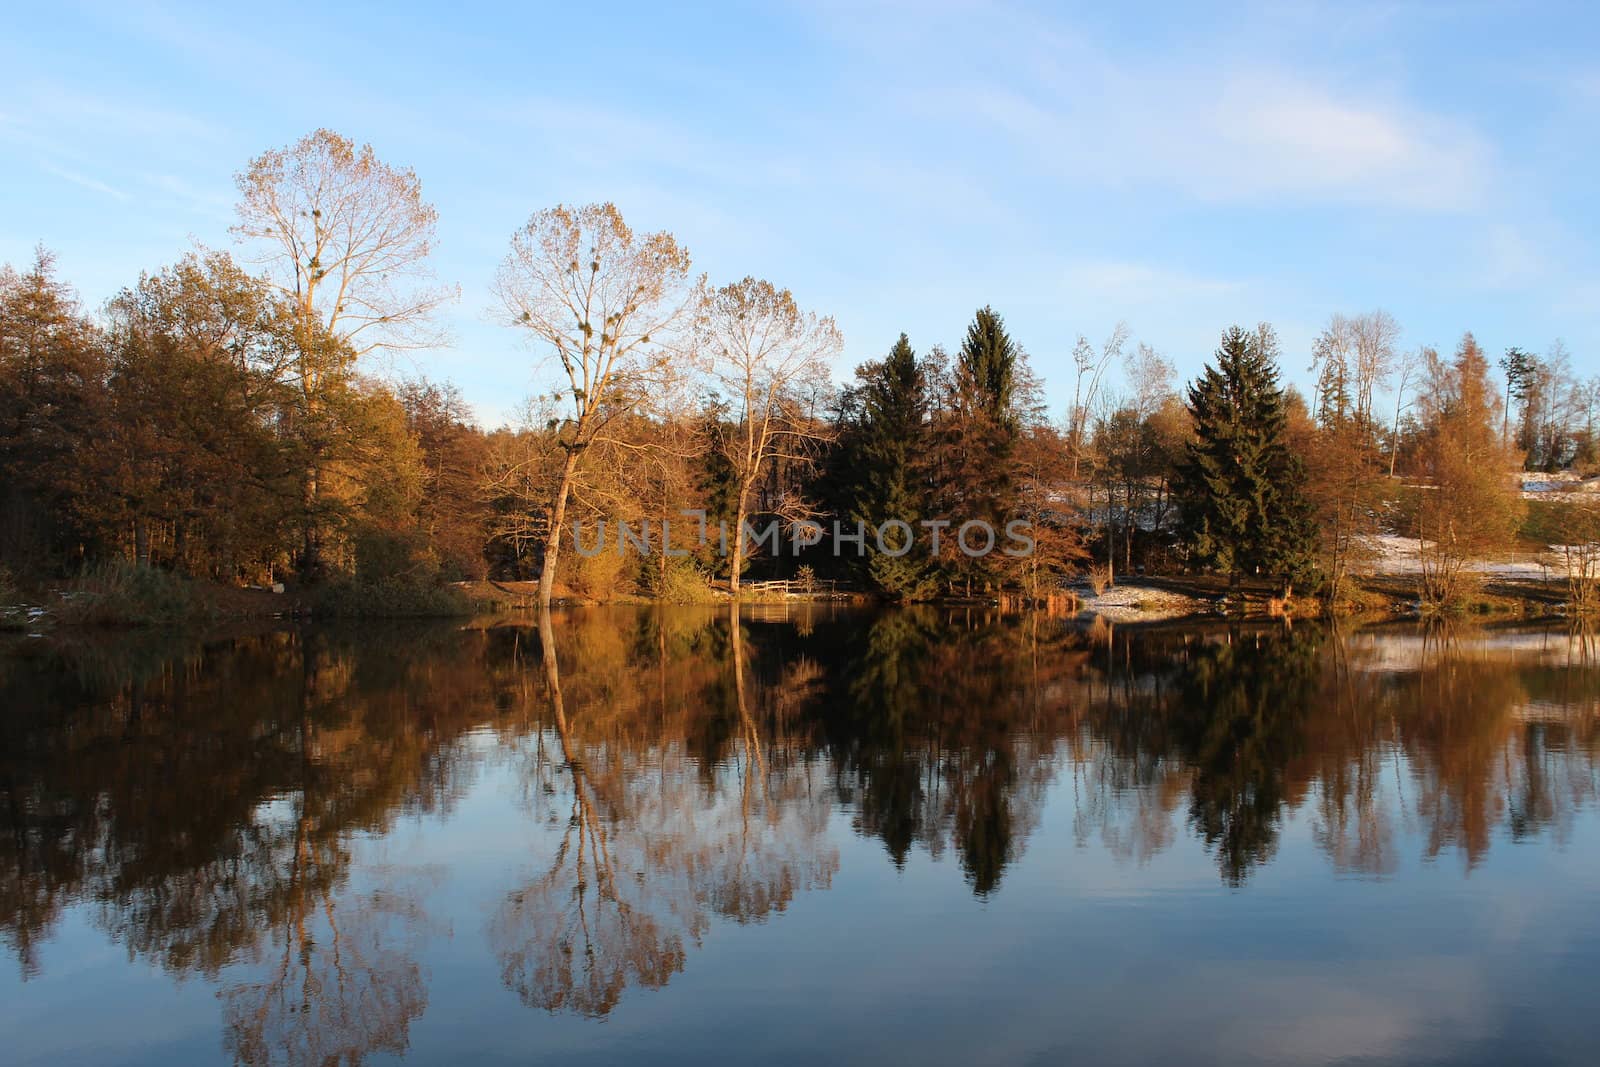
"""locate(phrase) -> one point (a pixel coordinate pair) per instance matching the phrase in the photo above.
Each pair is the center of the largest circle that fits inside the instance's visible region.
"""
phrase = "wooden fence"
(787, 587)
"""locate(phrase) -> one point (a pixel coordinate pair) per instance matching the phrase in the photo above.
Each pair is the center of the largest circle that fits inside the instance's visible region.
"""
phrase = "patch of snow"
(1562, 482)
(1393, 555)
(1135, 603)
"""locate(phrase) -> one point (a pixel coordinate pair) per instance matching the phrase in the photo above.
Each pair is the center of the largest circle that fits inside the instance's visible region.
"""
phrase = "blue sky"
(895, 165)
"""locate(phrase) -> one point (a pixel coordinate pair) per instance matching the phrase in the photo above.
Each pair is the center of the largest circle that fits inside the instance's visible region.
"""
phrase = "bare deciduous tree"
(1376, 334)
(346, 238)
(1330, 363)
(1090, 366)
(773, 360)
(608, 306)
(1150, 376)
(1406, 369)
(1352, 358)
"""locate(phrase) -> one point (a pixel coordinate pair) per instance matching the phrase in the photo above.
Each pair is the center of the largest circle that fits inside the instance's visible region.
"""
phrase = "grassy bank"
(392, 599)
(121, 595)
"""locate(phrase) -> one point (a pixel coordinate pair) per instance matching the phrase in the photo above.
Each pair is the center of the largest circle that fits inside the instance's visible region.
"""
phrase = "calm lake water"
(926, 835)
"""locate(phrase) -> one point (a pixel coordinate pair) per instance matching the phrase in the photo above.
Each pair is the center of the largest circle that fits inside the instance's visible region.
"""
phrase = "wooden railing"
(792, 587)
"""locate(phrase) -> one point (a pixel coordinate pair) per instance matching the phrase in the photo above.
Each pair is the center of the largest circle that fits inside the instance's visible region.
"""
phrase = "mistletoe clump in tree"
(1240, 486)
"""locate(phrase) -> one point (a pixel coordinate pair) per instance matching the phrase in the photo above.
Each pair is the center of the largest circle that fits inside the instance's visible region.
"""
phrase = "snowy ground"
(1137, 603)
(1541, 486)
(1393, 554)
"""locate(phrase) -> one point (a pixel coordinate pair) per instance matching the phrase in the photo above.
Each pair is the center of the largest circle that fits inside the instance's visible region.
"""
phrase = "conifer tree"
(980, 434)
(988, 360)
(978, 430)
(52, 393)
(1474, 507)
(884, 465)
(1240, 486)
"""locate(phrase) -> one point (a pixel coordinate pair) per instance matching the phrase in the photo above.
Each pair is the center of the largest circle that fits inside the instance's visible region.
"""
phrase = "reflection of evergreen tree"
(885, 693)
(1239, 722)
(935, 743)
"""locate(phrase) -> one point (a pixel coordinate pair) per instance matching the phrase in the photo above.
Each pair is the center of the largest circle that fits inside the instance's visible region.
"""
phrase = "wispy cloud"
(212, 202)
(1506, 259)
(1248, 136)
(61, 108)
(1280, 134)
(83, 180)
(1213, 126)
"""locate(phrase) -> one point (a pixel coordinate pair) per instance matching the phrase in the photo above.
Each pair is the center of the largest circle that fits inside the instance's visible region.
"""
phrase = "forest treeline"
(226, 418)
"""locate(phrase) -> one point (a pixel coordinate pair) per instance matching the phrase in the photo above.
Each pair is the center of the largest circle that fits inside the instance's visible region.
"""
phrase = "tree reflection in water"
(658, 837)
(206, 804)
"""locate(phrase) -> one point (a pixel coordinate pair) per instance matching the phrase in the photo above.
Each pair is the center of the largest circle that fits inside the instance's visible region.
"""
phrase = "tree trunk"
(737, 559)
(552, 543)
(311, 548)
(1127, 535)
(1111, 535)
(1394, 440)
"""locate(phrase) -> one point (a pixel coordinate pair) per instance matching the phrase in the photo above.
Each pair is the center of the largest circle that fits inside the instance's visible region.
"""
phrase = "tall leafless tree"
(610, 308)
(772, 359)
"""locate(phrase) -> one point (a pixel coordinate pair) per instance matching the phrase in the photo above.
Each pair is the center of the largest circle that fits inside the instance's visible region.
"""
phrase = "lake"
(935, 835)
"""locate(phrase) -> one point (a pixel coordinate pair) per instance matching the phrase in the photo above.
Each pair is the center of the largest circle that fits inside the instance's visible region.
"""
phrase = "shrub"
(597, 577)
(391, 598)
(385, 555)
(680, 582)
(806, 579)
(122, 594)
(1099, 578)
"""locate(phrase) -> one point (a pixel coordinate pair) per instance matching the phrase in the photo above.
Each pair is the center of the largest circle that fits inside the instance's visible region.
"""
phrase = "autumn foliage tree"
(346, 238)
(193, 461)
(1469, 507)
(52, 400)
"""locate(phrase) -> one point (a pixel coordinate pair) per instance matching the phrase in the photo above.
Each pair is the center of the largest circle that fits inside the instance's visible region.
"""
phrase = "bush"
(1099, 578)
(597, 577)
(681, 582)
(122, 594)
(391, 598)
(385, 556)
(806, 579)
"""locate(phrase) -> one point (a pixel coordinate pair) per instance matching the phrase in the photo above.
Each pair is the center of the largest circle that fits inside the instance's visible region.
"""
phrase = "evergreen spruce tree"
(718, 484)
(988, 362)
(881, 463)
(979, 432)
(1240, 486)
